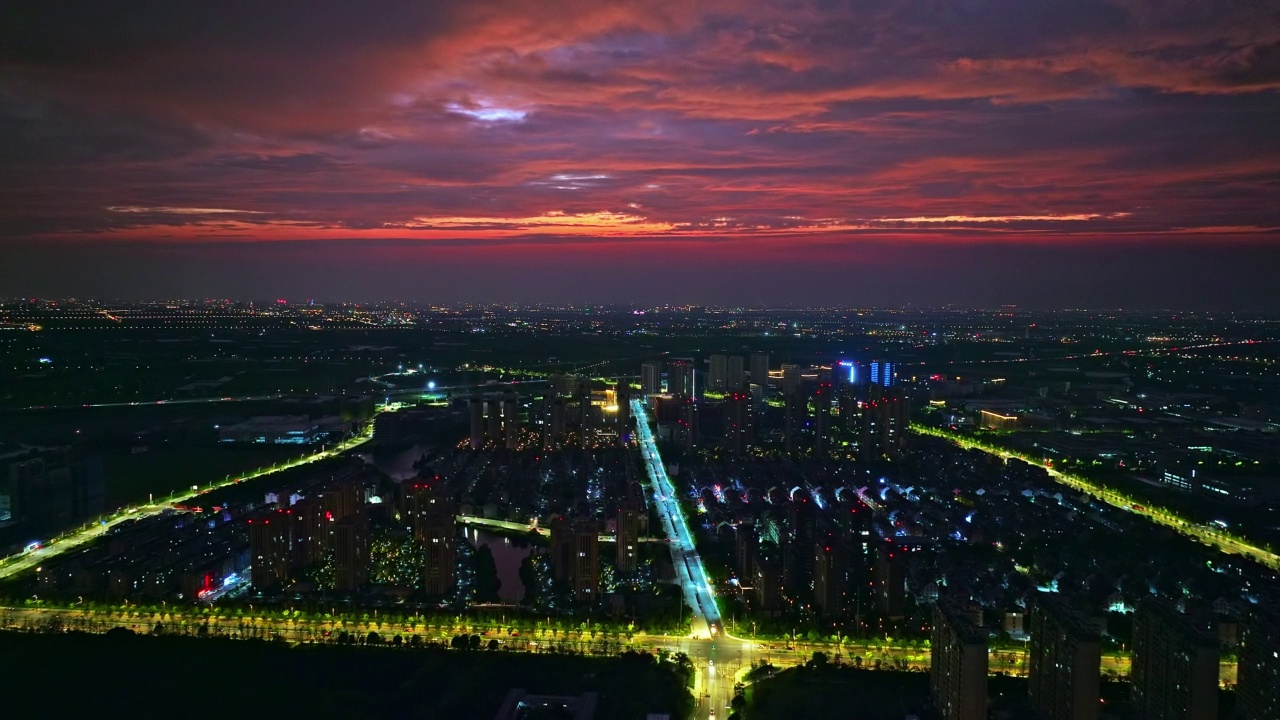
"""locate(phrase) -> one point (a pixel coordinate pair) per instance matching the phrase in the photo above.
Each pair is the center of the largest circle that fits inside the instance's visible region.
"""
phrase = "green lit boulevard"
(1207, 534)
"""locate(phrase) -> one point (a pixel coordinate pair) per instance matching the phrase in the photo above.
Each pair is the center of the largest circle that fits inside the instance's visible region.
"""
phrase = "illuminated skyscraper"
(844, 373)
(883, 373)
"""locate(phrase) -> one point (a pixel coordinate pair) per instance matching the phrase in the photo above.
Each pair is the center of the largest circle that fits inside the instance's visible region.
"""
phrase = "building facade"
(958, 671)
(1175, 665)
(1064, 661)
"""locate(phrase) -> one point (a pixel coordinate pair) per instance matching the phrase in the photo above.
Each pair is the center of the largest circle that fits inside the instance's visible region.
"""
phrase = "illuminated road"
(684, 554)
(71, 540)
(1205, 534)
(712, 689)
(718, 657)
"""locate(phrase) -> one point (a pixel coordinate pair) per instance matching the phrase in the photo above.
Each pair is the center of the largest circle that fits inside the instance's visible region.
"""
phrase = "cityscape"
(640, 360)
(1011, 513)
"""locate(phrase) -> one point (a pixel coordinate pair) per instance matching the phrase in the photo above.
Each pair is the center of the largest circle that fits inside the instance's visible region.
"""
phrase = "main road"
(1205, 534)
(73, 539)
(719, 658)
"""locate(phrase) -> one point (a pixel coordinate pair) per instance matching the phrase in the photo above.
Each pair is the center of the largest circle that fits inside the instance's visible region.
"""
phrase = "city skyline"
(1101, 154)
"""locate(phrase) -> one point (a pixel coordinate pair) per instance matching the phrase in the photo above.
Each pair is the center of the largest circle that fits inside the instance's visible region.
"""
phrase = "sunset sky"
(1082, 153)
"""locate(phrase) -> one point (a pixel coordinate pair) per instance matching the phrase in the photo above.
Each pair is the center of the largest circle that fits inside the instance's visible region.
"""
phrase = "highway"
(1205, 534)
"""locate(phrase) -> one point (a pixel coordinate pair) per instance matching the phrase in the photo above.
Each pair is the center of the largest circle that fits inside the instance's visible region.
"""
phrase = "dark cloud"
(292, 163)
(577, 128)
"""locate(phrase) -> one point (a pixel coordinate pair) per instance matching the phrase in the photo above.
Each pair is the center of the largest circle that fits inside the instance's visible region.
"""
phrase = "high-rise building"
(1064, 661)
(39, 490)
(493, 410)
(760, 370)
(844, 374)
(739, 430)
(796, 414)
(791, 379)
(622, 396)
(768, 581)
(651, 377)
(558, 423)
(342, 501)
(312, 528)
(269, 550)
(745, 544)
(797, 548)
(1258, 686)
(680, 376)
(831, 574)
(890, 582)
(433, 517)
(958, 667)
(850, 411)
(351, 552)
(586, 417)
(883, 373)
(476, 407)
(570, 384)
(511, 422)
(575, 556)
(822, 419)
(688, 425)
(719, 372)
(628, 551)
(734, 374)
(885, 421)
(88, 486)
(1174, 674)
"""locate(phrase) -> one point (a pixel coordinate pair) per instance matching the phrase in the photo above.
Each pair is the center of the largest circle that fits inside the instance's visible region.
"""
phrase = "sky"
(1047, 153)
